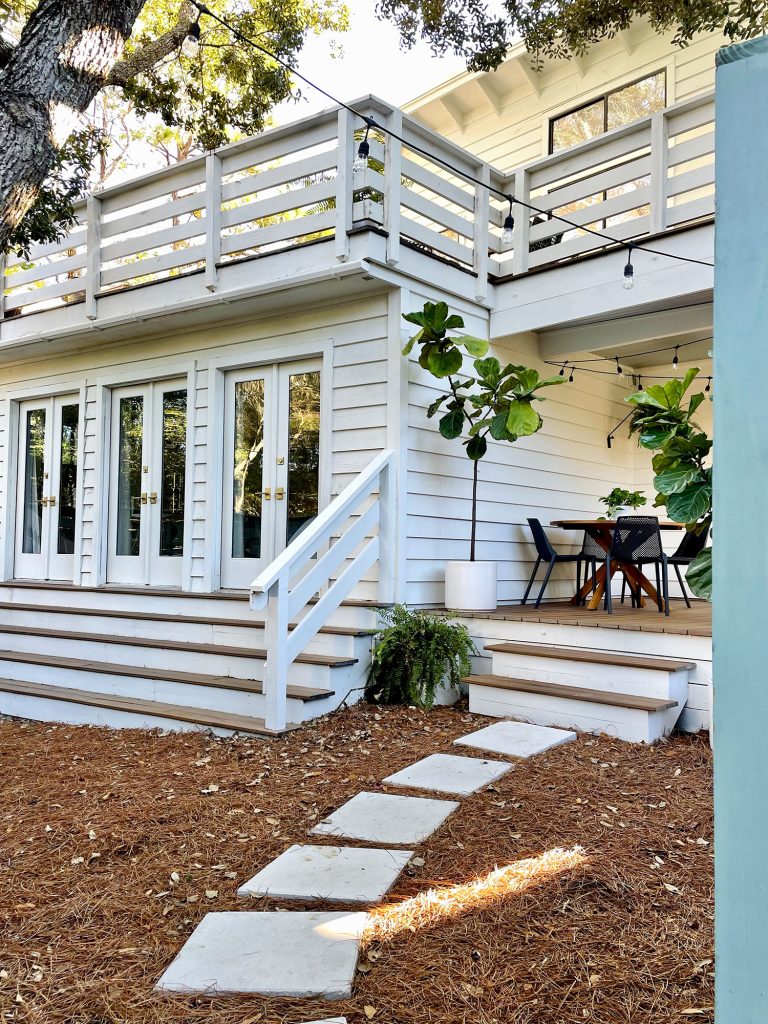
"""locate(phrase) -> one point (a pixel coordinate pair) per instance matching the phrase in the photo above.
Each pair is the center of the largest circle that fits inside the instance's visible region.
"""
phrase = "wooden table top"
(583, 524)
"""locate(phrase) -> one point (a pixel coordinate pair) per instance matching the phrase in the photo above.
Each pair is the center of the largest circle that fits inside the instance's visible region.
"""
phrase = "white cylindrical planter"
(470, 586)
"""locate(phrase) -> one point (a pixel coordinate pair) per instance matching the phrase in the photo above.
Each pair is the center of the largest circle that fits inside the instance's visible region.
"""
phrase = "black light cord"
(372, 123)
(630, 355)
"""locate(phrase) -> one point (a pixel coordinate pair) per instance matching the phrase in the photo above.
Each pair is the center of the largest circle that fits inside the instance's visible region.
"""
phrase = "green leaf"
(435, 406)
(655, 437)
(439, 315)
(476, 448)
(498, 428)
(475, 346)
(414, 318)
(488, 370)
(522, 419)
(417, 337)
(699, 575)
(677, 478)
(688, 379)
(452, 424)
(691, 504)
(443, 364)
(695, 402)
(454, 321)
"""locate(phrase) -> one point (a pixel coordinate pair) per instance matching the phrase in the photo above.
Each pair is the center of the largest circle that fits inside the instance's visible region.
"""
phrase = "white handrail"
(290, 581)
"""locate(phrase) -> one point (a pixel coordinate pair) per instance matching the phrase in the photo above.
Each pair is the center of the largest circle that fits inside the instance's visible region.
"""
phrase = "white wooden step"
(638, 719)
(665, 678)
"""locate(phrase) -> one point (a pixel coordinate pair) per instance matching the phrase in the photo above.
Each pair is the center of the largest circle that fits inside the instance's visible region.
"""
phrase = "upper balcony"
(269, 212)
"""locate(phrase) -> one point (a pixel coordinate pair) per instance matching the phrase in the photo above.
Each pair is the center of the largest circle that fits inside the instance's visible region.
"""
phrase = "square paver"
(335, 873)
(274, 954)
(447, 773)
(516, 739)
(384, 819)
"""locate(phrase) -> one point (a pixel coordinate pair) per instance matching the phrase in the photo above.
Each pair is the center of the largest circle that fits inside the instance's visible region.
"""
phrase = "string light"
(435, 158)
(191, 45)
(360, 163)
(629, 270)
(570, 379)
(619, 367)
(675, 358)
(562, 368)
(709, 384)
(508, 234)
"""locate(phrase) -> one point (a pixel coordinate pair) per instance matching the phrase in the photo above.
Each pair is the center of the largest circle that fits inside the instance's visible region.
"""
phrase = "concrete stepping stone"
(383, 819)
(272, 954)
(447, 773)
(335, 873)
(516, 739)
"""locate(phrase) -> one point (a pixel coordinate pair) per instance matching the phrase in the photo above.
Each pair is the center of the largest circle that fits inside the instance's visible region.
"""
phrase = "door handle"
(52, 502)
(43, 502)
(279, 493)
(267, 493)
(143, 497)
(153, 498)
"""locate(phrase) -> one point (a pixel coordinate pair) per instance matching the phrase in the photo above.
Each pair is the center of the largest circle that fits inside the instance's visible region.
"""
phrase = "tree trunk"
(473, 535)
(64, 57)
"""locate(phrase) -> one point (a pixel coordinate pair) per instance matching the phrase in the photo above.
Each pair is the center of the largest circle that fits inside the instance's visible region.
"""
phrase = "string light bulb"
(675, 358)
(360, 163)
(619, 367)
(562, 369)
(570, 379)
(191, 45)
(709, 384)
(629, 270)
(508, 233)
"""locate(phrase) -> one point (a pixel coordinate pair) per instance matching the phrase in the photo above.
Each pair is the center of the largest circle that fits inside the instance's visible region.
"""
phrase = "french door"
(147, 489)
(271, 464)
(46, 511)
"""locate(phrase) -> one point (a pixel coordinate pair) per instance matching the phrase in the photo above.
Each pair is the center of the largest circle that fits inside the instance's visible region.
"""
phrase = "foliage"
(619, 498)
(497, 401)
(413, 654)
(482, 34)
(664, 424)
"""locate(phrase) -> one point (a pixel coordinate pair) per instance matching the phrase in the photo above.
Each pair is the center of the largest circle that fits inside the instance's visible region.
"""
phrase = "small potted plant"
(418, 659)
(620, 502)
(495, 401)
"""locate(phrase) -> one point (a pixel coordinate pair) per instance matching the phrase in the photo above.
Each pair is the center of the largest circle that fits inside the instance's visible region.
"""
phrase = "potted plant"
(418, 659)
(620, 502)
(496, 401)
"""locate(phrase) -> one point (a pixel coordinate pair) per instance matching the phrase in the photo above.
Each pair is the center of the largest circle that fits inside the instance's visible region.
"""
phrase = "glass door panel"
(68, 437)
(248, 469)
(173, 462)
(129, 463)
(303, 462)
(34, 470)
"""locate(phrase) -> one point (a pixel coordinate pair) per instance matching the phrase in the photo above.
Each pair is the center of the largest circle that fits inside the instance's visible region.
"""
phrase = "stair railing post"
(387, 534)
(659, 172)
(481, 232)
(344, 184)
(522, 230)
(393, 173)
(276, 665)
(92, 256)
(212, 220)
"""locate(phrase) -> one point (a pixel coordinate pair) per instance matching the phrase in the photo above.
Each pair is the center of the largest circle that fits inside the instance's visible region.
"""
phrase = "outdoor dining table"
(601, 530)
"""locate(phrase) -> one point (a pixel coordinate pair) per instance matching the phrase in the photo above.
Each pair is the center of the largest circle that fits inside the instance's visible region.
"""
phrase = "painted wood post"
(276, 665)
(522, 231)
(92, 256)
(481, 232)
(212, 220)
(344, 184)
(740, 555)
(2, 293)
(393, 169)
(659, 171)
(387, 527)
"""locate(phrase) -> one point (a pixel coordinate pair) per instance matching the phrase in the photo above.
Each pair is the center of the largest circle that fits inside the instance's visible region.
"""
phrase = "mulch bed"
(114, 845)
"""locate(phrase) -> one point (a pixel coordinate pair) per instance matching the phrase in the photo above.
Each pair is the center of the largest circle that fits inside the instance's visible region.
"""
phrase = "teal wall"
(741, 536)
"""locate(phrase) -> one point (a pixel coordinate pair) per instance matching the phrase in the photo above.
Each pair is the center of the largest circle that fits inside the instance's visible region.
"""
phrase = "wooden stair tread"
(177, 712)
(328, 660)
(303, 693)
(593, 657)
(114, 613)
(620, 700)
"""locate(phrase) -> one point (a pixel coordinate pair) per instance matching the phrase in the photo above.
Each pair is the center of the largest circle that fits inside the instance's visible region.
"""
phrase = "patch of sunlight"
(432, 907)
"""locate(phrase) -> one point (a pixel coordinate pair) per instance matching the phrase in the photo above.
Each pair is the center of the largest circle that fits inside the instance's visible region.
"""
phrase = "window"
(621, 106)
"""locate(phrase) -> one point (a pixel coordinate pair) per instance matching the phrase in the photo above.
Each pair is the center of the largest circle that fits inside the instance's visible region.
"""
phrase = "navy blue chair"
(692, 544)
(636, 541)
(545, 553)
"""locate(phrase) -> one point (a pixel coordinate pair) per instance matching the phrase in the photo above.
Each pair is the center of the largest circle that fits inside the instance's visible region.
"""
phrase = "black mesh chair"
(637, 542)
(591, 553)
(692, 544)
(545, 553)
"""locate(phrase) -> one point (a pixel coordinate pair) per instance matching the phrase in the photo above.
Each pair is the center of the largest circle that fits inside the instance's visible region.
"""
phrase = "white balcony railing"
(295, 186)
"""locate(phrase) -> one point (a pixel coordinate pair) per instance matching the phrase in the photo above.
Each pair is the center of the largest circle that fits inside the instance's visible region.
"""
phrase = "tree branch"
(148, 56)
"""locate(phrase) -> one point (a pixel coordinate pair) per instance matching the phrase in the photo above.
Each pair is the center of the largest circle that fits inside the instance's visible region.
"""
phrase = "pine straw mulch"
(115, 844)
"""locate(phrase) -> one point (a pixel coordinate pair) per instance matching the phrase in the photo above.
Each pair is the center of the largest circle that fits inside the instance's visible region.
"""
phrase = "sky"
(372, 62)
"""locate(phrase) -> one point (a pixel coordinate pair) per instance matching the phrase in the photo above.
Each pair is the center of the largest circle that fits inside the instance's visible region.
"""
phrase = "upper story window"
(615, 108)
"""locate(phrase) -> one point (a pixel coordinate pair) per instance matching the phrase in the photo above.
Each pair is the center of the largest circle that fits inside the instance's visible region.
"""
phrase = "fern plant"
(413, 653)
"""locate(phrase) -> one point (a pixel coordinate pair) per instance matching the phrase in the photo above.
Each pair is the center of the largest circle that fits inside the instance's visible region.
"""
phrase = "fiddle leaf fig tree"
(496, 401)
(664, 424)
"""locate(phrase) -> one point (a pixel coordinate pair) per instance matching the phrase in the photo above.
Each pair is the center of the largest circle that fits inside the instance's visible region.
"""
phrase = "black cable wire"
(629, 355)
(372, 123)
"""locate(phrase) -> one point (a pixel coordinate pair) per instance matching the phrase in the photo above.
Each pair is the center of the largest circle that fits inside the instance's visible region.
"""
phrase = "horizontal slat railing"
(328, 558)
(637, 180)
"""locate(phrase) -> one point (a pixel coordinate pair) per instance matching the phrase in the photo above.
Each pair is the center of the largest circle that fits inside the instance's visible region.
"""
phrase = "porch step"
(34, 700)
(625, 715)
(592, 656)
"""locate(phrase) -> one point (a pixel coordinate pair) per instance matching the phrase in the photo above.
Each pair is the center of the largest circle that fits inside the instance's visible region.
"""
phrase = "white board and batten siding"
(351, 339)
(510, 128)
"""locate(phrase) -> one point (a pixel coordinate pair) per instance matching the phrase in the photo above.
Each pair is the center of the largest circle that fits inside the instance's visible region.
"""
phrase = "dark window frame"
(601, 98)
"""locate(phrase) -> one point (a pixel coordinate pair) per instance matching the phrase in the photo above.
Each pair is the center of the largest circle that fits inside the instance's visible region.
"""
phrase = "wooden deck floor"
(694, 621)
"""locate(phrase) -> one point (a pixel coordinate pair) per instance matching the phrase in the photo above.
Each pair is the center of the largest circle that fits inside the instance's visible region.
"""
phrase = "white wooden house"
(203, 393)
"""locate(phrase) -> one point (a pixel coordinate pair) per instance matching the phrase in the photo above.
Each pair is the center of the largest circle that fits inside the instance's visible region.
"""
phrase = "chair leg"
(578, 575)
(607, 602)
(682, 585)
(550, 567)
(665, 576)
(624, 590)
(530, 581)
(659, 596)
